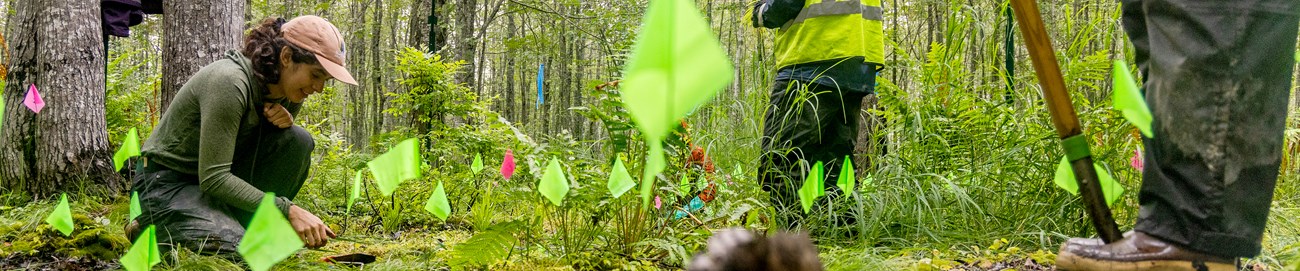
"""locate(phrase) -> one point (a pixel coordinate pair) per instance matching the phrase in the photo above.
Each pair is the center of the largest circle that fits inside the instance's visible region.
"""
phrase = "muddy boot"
(1136, 252)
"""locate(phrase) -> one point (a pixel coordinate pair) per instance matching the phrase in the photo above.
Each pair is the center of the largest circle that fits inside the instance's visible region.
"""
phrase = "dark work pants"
(1217, 76)
(187, 217)
(810, 123)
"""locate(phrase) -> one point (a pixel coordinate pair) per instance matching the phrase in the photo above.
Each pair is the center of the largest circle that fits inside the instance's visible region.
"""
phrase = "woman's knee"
(298, 140)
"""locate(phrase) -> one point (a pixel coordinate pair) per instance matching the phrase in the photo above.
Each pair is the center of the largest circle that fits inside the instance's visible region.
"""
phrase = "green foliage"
(130, 86)
(608, 111)
(488, 247)
(432, 92)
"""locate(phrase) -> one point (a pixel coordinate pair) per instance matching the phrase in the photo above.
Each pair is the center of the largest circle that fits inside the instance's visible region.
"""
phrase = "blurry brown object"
(739, 249)
(4, 66)
(602, 87)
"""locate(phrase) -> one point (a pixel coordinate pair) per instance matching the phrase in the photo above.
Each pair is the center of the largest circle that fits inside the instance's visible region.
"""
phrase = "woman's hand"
(277, 115)
(311, 229)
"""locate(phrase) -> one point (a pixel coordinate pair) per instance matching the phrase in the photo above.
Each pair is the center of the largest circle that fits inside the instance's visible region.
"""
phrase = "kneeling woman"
(227, 138)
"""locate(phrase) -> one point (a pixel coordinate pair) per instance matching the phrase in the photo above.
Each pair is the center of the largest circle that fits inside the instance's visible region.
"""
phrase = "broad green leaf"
(438, 204)
(135, 205)
(269, 238)
(61, 217)
(847, 179)
(1109, 187)
(619, 179)
(737, 172)
(143, 254)
(553, 185)
(1128, 99)
(356, 191)
(684, 187)
(478, 164)
(399, 164)
(676, 64)
(130, 148)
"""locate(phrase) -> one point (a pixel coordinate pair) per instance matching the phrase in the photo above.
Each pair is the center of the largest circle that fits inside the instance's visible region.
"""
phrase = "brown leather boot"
(1136, 252)
(1090, 241)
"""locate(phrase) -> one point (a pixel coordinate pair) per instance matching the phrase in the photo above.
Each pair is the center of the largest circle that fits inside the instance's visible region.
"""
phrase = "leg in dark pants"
(186, 217)
(1217, 77)
(808, 123)
(280, 165)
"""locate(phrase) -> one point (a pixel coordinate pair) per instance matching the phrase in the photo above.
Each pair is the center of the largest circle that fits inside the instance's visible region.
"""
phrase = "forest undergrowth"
(962, 181)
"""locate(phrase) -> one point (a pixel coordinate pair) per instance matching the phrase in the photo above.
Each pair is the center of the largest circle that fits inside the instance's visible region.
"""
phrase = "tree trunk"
(465, 47)
(356, 94)
(57, 46)
(376, 73)
(510, 105)
(194, 35)
(418, 24)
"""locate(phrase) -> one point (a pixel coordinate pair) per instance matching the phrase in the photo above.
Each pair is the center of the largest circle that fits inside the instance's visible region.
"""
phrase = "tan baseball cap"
(320, 37)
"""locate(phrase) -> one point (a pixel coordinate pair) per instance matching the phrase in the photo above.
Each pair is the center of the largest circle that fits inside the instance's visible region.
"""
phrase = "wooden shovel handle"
(1063, 116)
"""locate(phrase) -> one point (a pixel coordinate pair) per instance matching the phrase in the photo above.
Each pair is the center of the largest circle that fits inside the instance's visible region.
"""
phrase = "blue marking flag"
(541, 75)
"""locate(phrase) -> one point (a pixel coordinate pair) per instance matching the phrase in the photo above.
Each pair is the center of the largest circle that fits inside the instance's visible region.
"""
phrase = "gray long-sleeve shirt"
(220, 106)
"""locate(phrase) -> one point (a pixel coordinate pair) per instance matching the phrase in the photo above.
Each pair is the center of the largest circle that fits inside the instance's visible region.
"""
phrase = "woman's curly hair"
(262, 46)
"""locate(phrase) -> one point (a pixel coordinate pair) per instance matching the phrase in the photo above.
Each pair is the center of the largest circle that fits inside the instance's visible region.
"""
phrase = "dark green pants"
(1217, 76)
(811, 123)
(186, 217)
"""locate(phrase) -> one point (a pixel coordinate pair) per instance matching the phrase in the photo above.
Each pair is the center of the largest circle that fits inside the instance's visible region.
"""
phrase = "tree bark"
(57, 46)
(418, 24)
(194, 35)
(465, 47)
(356, 94)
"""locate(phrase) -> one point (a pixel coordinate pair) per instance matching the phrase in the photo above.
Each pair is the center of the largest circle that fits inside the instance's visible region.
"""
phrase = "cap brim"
(337, 71)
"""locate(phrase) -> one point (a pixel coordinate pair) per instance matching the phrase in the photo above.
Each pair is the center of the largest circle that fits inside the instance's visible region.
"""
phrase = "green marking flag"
(1109, 188)
(820, 173)
(847, 179)
(812, 188)
(676, 65)
(130, 148)
(1128, 99)
(135, 205)
(437, 203)
(269, 238)
(553, 185)
(61, 218)
(356, 191)
(399, 164)
(143, 254)
(619, 180)
(478, 164)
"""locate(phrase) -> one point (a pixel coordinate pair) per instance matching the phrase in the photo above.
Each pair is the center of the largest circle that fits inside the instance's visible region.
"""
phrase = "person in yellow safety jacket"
(828, 53)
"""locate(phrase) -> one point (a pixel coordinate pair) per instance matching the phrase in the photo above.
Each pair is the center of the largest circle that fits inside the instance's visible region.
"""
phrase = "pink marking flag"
(508, 165)
(1136, 161)
(33, 100)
